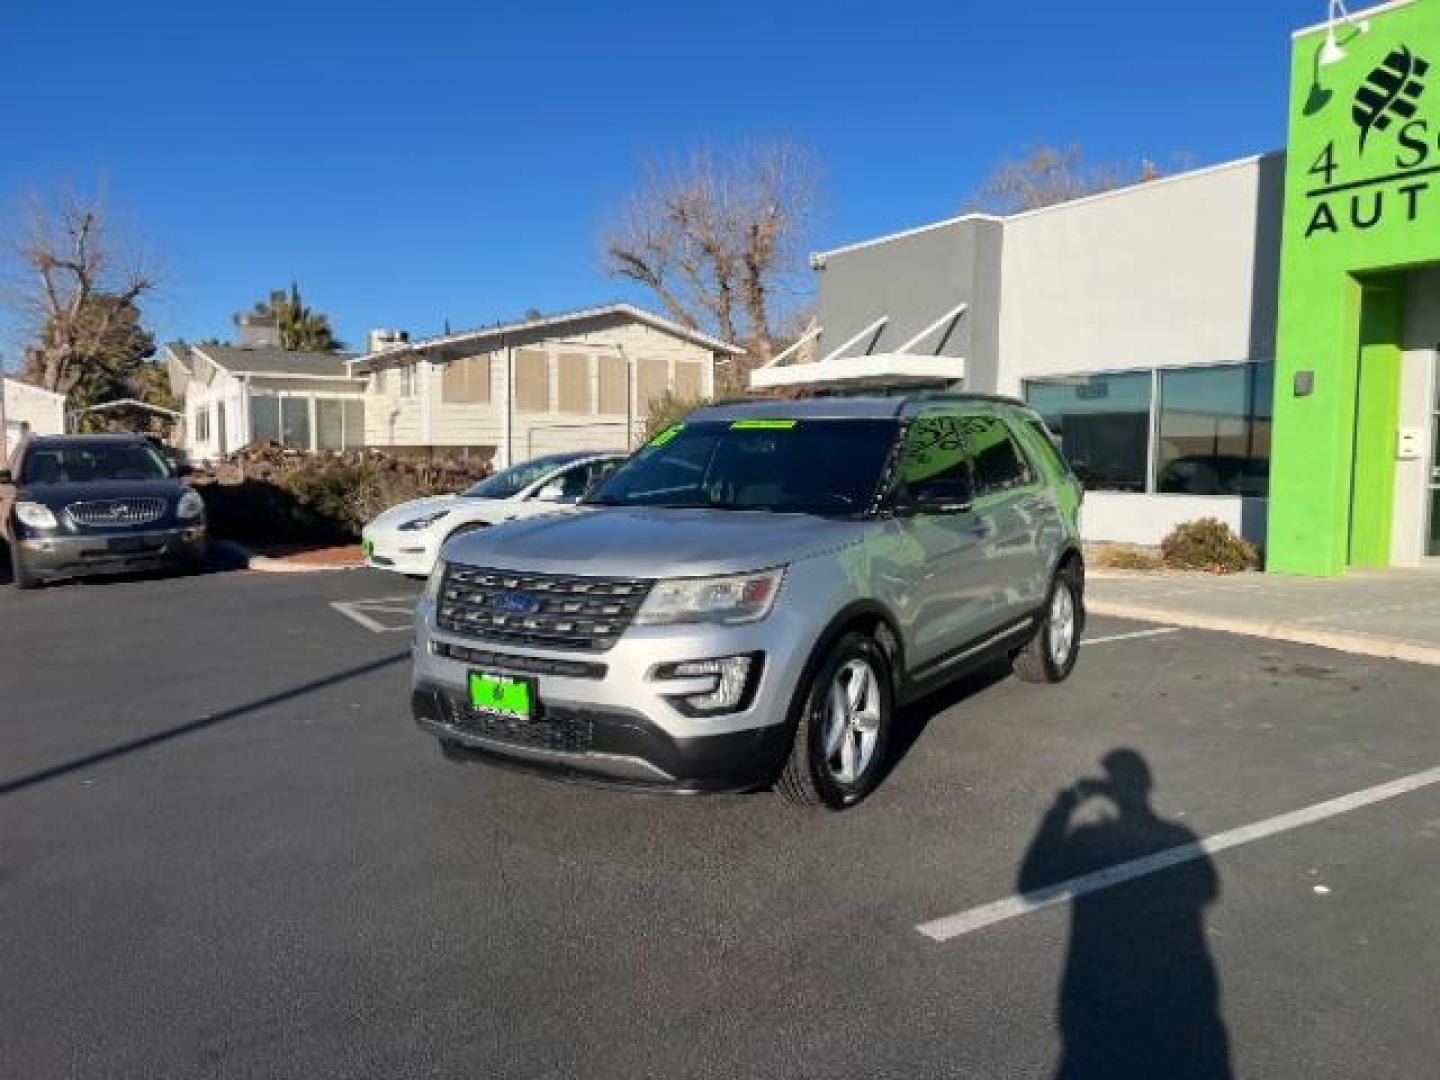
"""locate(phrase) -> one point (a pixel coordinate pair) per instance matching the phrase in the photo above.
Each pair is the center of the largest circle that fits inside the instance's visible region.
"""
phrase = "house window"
(574, 382)
(407, 380)
(295, 422)
(466, 380)
(1103, 424)
(532, 381)
(614, 386)
(265, 419)
(202, 424)
(1214, 431)
(339, 424)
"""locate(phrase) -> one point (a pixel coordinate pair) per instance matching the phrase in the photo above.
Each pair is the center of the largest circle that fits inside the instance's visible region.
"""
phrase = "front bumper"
(612, 722)
(56, 557)
(412, 554)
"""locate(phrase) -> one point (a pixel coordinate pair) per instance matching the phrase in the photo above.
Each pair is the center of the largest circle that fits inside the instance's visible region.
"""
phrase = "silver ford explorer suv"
(749, 598)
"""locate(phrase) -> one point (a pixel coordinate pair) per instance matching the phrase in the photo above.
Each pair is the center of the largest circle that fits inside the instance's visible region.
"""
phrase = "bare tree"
(718, 237)
(1048, 175)
(77, 290)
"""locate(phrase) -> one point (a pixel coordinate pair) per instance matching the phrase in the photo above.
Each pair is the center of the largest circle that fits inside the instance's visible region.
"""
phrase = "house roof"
(271, 363)
(565, 321)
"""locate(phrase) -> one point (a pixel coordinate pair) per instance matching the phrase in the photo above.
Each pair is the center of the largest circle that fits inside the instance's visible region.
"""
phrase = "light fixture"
(1331, 52)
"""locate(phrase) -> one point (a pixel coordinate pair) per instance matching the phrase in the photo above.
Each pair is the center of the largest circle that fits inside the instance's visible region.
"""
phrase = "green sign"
(1362, 205)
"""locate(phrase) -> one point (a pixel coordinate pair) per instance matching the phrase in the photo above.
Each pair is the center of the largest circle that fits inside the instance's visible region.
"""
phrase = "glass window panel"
(295, 422)
(996, 463)
(1103, 425)
(329, 424)
(1215, 431)
(265, 419)
(1434, 546)
(354, 423)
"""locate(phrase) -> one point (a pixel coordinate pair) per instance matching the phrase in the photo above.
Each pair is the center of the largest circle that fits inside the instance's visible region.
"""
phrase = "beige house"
(237, 395)
(578, 381)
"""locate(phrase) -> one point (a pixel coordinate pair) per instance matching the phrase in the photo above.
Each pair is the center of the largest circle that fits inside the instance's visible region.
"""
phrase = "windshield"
(824, 467)
(81, 463)
(517, 478)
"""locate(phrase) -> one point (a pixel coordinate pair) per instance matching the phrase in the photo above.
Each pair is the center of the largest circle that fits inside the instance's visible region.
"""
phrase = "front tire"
(842, 733)
(19, 573)
(1050, 654)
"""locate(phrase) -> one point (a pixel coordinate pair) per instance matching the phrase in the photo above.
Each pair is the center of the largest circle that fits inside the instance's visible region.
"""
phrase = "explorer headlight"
(191, 505)
(735, 598)
(416, 524)
(35, 515)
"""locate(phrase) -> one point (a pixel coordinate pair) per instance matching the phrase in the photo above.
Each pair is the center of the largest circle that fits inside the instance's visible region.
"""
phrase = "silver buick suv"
(748, 600)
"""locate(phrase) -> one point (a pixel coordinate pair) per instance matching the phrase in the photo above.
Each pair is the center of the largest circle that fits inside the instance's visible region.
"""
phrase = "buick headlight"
(35, 515)
(432, 583)
(737, 598)
(424, 522)
(190, 506)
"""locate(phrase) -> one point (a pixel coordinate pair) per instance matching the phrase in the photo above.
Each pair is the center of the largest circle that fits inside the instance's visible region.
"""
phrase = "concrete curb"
(249, 560)
(1341, 640)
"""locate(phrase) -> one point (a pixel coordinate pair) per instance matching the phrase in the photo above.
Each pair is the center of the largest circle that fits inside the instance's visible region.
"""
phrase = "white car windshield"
(510, 482)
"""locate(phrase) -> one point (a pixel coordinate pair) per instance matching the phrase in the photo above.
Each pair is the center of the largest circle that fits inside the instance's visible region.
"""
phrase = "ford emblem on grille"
(514, 603)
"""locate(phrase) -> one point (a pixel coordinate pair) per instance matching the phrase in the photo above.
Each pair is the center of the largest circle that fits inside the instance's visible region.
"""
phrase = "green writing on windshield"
(763, 425)
(666, 435)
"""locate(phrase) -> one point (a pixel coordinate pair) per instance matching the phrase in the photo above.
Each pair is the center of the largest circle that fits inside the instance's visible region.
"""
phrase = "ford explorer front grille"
(117, 511)
(551, 611)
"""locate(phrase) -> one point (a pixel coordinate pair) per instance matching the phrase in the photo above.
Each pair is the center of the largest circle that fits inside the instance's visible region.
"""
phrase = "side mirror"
(936, 497)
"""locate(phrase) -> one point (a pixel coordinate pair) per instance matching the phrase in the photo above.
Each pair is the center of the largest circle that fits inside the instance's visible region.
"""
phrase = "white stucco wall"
(25, 405)
(1168, 273)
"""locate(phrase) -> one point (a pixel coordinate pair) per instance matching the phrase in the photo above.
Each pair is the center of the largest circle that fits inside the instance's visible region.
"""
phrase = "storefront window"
(1103, 424)
(1214, 431)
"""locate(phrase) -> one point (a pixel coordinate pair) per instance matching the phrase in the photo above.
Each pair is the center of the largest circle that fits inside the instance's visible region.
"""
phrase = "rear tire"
(842, 732)
(1050, 654)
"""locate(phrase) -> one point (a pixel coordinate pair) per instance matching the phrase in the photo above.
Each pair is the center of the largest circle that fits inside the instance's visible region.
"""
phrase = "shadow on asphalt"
(914, 718)
(101, 757)
(216, 562)
(1140, 995)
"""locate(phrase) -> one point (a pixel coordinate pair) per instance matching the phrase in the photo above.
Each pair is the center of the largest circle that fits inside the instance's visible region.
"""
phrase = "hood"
(651, 543)
(407, 511)
(60, 495)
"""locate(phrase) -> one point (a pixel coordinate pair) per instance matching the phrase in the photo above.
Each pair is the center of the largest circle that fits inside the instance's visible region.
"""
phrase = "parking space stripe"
(1156, 632)
(967, 922)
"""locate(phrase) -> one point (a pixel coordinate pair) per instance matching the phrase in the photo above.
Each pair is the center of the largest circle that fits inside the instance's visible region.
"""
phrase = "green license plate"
(502, 695)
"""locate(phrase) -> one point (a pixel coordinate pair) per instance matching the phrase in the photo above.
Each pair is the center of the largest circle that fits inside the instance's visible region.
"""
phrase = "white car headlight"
(736, 598)
(423, 522)
(190, 506)
(35, 515)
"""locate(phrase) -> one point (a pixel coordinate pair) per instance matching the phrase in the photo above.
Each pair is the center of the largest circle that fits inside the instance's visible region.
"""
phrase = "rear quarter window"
(1044, 445)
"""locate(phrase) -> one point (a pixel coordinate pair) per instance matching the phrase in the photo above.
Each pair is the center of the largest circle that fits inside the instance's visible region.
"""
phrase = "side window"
(997, 462)
(933, 464)
(575, 482)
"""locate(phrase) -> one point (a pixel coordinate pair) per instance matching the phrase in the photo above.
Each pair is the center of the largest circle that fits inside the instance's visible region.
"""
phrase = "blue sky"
(432, 159)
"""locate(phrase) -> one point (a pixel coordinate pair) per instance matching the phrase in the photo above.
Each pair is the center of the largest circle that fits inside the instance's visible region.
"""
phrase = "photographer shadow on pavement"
(1140, 995)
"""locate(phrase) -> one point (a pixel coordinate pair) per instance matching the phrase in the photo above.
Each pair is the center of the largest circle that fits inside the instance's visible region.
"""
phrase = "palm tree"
(301, 329)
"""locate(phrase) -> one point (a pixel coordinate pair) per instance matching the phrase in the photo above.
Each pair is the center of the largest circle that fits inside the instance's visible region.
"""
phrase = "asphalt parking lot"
(226, 851)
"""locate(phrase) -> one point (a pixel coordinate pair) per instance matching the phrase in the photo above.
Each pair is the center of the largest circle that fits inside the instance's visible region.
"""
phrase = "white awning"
(879, 369)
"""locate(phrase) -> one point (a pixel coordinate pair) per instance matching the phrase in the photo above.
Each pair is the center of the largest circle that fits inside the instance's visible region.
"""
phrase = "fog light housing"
(727, 683)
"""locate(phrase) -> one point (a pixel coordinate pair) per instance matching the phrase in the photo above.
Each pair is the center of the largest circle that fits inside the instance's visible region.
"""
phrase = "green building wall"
(1362, 206)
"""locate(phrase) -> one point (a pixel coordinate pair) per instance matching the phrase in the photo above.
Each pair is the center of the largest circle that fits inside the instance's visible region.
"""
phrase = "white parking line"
(363, 612)
(967, 922)
(1132, 635)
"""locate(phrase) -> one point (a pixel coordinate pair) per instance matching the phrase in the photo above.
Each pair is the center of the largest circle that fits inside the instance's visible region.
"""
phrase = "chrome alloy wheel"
(1060, 631)
(852, 721)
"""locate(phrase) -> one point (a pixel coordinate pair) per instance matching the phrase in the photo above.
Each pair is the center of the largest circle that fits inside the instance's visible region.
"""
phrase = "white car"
(407, 538)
